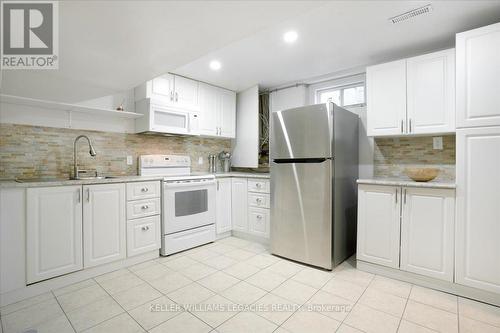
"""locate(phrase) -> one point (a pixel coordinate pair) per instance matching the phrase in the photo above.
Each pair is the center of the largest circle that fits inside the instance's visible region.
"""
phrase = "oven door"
(188, 205)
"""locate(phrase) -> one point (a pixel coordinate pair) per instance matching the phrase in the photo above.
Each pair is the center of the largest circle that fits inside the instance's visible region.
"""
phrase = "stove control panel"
(164, 161)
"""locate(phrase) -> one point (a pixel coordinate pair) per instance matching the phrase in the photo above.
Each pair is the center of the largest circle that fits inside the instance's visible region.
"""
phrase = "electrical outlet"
(200, 160)
(130, 161)
(437, 142)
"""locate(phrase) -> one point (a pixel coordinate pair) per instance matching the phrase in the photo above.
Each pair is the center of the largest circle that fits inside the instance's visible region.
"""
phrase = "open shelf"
(40, 103)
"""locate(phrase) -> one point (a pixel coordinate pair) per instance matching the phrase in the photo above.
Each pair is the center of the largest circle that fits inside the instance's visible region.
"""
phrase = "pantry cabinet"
(53, 232)
(223, 203)
(407, 228)
(104, 224)
(478, 77)
(478, 208)
(379, 224)
(239, 197)
(427, 232)
(412, 96)
(217, 112)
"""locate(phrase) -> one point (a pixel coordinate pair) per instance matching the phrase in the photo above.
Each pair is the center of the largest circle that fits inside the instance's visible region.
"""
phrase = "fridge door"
(301, 227)
(302, 132)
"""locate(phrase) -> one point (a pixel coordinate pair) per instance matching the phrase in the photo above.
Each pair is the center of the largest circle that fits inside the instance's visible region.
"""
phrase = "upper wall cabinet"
(412, 96)
(478, 77)
(170, 90)
(217, 111)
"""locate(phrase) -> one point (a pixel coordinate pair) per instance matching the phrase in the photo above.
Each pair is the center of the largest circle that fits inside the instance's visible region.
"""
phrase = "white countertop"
(407, 182)
(117, 179)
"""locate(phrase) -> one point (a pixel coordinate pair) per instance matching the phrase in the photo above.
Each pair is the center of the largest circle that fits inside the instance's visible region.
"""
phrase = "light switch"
(437, 142)
(130, 161)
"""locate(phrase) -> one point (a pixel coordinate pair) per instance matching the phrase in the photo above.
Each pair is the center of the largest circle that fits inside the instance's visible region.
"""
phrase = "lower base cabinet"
(223, 202)
(407, 228)
(258, 222)
(143, 235)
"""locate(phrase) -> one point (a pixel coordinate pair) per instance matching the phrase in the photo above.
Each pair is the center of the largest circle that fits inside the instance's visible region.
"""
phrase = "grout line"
(458, 315)
(65, 314)
(404, 310)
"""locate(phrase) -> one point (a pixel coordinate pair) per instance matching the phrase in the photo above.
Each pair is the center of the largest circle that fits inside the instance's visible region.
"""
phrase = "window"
(350, 95)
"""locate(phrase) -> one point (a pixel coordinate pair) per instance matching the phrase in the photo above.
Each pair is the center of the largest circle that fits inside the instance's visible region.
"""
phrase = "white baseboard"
(65, 280)
(424, 281)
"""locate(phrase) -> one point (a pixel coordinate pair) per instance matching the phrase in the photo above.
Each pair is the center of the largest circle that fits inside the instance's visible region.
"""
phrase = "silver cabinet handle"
(176, 96)
(402, 124)
(397, 191)
(410, 126)
(259, 217)
(259, 200)
(405, 197)
(88, 194)
(144, 189)
(217, 184)
(145, 207)
(171, 96)
(145, 228)
(258, 185)
(78, 196)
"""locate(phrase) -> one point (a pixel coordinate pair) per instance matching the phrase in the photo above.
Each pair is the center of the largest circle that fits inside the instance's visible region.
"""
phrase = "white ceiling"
(110, 46)
(337, 36)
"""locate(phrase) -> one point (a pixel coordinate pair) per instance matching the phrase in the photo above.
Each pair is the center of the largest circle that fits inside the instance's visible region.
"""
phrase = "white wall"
(246, 144)
(288, 98)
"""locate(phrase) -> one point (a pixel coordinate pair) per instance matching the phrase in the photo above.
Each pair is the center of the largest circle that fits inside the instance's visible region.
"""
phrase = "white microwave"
(166, 119)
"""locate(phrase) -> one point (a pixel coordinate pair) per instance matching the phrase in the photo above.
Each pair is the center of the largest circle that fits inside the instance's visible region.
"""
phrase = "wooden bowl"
(422, 174)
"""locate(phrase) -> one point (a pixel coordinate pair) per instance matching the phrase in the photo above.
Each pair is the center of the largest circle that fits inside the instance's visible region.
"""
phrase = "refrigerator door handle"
(301, 160)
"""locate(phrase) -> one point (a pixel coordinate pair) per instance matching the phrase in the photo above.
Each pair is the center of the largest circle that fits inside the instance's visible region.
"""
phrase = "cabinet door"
(386, 99)
(258, 222)
(478, 77)
(427, 232)
(379, 224)
(209, 103)
(143, 235)
(186, 93)
(431, 93)
(478, 208)
(239, 203)
(227, 113)
(223, 201)
(104, 227)
(162, 89)
(53, 231)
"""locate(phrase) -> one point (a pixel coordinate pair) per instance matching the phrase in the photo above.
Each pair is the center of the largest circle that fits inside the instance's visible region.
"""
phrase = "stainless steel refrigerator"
(314, 167)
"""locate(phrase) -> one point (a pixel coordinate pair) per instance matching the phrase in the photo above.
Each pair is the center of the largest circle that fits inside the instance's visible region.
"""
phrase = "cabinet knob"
(144, 189)
(259, 217)
(258, 185)
(259, 200)
(145, 228)
(145, 207)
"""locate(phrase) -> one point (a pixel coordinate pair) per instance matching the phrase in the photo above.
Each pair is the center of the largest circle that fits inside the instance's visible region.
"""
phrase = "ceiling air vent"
(411, 14)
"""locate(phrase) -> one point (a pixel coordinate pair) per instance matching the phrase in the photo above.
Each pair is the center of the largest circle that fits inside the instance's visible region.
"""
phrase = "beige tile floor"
(236, 286)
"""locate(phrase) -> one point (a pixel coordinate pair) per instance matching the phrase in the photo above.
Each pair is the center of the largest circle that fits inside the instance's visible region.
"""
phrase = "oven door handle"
(189, 184)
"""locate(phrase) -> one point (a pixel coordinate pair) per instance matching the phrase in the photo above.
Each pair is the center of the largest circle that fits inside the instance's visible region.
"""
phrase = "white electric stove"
(188, 204)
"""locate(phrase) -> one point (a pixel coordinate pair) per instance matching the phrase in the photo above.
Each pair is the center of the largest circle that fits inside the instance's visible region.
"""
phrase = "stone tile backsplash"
(393, 155)
(32, 151)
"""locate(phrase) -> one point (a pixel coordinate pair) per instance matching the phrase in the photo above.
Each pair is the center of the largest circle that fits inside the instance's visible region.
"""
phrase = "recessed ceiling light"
(215, 65)
(290, 36)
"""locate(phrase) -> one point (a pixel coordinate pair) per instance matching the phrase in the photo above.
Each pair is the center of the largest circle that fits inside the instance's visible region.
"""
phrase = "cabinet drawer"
(143, 235)
(258, 221)
(258, 200)
(261, 186)
(143, 190)
(143, 208)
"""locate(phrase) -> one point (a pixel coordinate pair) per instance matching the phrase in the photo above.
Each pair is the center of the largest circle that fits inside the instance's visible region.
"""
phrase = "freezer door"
(302, 132)
(301, 220)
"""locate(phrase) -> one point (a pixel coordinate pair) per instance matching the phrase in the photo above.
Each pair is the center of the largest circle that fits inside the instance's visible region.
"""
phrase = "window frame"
(341, 88)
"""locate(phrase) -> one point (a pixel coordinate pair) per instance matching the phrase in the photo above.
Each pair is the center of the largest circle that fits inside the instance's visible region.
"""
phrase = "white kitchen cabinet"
(427, 232)
(223, 203)
(246, 146)
(170, 90)
(217, 112)
(104, 224)
(478, 77)
(258, 222)
(143, 235)
(431, 93)
(412, 96)
(386, 99)
(53, 231)
(379, 224)
(478, 208)
(239, 195)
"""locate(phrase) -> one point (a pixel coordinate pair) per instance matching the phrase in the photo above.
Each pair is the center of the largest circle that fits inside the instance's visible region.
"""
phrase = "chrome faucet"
(92, 152)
